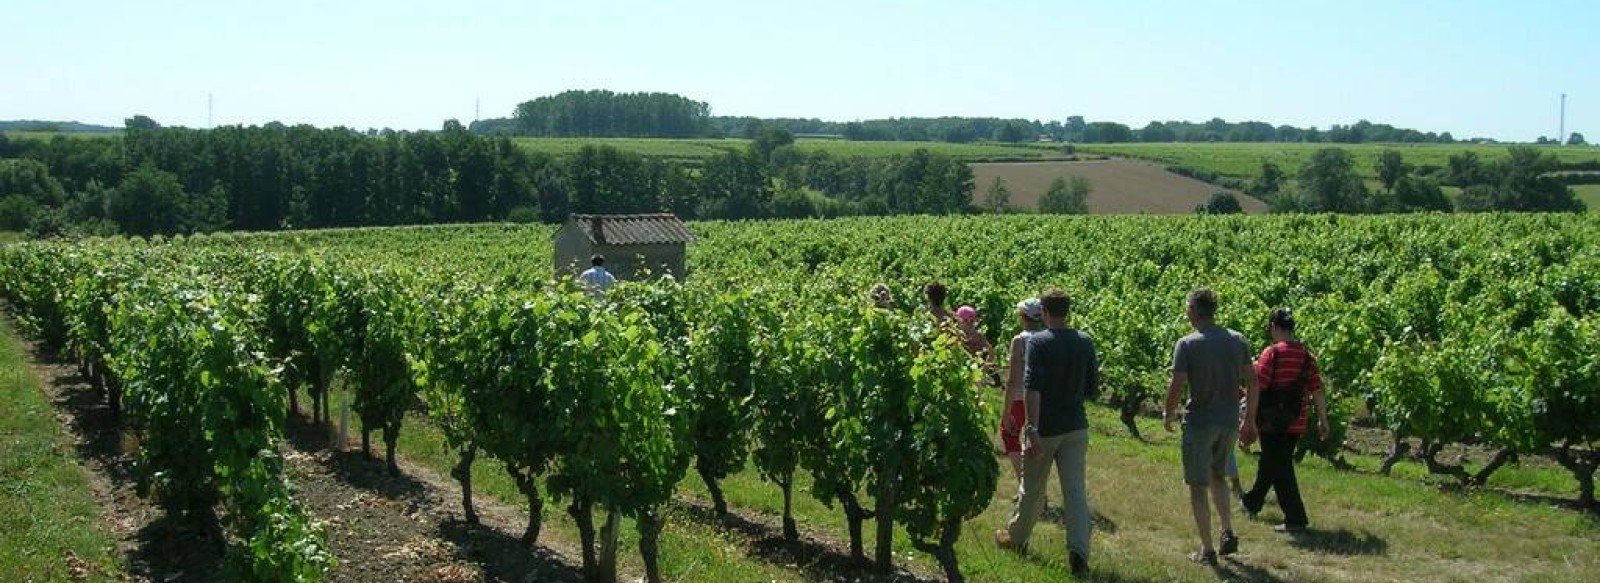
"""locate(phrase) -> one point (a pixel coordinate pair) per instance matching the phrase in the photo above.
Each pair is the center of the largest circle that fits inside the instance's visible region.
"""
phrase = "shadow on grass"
(1058, 515)
(819, 561)
(1232, 570)
(166, 548)
(504, 557)
(1341, 542)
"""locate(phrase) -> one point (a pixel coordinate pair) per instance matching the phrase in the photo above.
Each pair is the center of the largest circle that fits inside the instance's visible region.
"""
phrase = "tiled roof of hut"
(644, 229)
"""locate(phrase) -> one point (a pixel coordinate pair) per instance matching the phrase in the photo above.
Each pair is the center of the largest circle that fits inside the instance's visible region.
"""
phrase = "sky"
(1473, 68)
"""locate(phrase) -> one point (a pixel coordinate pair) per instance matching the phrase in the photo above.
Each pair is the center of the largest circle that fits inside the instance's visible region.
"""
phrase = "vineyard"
(1445, 331)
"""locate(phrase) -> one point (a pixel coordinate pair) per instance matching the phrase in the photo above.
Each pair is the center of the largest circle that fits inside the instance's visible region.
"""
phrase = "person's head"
(1056, 304)
(880, 295)
(597, 260)
(935, 292)
(1201, 306)
(1031, 313)
(1280, 324)
(967, 316)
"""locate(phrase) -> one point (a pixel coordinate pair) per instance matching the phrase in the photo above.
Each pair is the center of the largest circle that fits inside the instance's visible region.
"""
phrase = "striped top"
(1290, 356)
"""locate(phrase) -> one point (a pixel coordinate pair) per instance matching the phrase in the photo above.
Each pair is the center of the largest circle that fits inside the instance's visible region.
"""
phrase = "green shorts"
(1205, 453)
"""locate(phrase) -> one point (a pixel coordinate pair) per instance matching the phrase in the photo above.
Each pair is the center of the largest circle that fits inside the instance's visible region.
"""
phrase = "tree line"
(1523, 181)
(599, 113)
(154, 180)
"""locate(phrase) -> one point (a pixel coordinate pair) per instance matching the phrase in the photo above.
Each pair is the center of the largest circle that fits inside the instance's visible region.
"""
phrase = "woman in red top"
(1288, 371)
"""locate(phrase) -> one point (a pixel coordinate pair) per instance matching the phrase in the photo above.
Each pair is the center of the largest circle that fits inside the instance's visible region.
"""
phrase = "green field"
(697, 149)
(1243, 160)
(1590, 195)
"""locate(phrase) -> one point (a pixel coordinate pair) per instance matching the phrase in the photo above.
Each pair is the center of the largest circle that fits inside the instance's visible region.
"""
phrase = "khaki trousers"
(1068, 452)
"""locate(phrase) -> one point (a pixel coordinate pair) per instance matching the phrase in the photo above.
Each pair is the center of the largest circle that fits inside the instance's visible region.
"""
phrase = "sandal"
(1207, 558)
(1002, 539)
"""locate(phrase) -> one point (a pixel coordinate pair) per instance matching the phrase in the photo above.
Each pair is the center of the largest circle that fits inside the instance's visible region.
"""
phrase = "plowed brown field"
(1120, 186)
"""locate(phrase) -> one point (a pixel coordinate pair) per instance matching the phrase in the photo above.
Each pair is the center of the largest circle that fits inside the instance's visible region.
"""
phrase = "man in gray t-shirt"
(1213, 362)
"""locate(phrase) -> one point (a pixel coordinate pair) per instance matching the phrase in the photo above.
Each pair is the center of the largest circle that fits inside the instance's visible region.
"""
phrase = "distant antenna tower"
(1561, 131)
(210, 108)
(477, 108)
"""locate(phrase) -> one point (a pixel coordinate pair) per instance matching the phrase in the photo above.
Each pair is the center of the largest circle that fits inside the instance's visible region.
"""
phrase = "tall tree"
(1391, 167)
(1329, 183)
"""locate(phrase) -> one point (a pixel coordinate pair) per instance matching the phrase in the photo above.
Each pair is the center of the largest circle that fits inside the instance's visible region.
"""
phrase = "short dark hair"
(1056, 302)
(1282, 318)
(597, 260)
(1204, 302)
(935, 292)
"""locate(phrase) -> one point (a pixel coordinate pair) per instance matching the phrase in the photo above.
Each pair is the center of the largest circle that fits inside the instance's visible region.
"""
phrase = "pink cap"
(967, 314)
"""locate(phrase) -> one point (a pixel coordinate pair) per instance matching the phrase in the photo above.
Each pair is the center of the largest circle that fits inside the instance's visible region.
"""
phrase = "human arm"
(1014, 363)
(1030, 433)
(1174, 391)
(1317, 399)
(1180, 377)
(1247, 423)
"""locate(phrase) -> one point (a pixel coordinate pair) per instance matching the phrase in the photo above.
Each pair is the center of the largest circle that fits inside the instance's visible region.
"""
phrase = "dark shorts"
(1205, 453)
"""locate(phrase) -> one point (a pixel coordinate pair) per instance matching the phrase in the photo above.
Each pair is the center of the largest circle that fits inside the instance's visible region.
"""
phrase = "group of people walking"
(1053, 370)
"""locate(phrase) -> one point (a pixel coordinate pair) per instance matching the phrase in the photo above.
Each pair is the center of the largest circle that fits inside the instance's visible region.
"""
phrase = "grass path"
(50, 527)
(1366, 527)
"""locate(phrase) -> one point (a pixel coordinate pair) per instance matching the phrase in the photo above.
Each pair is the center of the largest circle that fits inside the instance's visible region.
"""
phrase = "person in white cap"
(1030, 315)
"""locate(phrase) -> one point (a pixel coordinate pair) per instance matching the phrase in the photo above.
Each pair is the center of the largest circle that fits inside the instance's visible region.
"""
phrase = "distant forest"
(665, 115)
(151, 180)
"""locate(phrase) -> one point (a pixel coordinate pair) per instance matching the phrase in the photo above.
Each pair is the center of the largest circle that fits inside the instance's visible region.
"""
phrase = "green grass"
(1371, 527)
(675, 149)
(974, 151)
(1244, 160)
(1590, 195)
(11, 237)
(49, 524)
(699, 149)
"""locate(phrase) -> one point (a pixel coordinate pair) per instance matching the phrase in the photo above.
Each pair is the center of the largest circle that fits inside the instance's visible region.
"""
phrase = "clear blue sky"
(1475, 68)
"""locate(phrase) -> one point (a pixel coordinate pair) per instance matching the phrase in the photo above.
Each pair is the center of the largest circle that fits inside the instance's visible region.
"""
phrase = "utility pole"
(1561, 131)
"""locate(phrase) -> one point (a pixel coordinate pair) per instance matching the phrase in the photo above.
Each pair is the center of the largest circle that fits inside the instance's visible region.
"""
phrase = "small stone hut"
(631, 244)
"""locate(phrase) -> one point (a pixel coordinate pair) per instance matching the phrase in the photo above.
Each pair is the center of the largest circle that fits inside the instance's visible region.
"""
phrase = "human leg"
(1035, 476)
(1071, 467)
(1285, 482)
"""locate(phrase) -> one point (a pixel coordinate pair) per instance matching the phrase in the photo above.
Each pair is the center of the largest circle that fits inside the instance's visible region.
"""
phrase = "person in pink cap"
(972, 337)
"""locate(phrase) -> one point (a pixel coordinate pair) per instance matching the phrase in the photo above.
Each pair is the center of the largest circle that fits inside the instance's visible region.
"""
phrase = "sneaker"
(1230, 543)
(1289, 528)
(1080, 565)
(1207, 558)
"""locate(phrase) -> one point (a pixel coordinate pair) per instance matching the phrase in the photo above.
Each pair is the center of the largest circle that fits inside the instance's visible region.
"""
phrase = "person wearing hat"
(1030, 315)
(1287, 374)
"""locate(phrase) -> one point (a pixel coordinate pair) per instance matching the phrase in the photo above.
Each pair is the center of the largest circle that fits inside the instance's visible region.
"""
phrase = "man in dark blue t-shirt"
(1060, 373)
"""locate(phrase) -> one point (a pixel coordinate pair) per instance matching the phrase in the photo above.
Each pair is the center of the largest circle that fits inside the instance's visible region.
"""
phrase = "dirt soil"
(383, 528)
(1120, 186)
